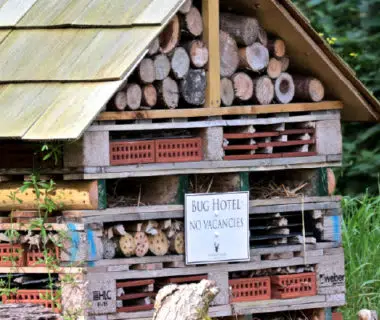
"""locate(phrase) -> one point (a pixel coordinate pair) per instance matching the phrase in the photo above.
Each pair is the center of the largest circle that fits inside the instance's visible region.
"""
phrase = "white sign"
(217, 227)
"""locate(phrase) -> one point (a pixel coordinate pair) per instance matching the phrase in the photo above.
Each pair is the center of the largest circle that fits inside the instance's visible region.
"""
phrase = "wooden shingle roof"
(61, 60)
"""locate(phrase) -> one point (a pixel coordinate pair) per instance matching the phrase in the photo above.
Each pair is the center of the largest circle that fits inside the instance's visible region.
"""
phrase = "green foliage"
(361, 241)
(352, 28)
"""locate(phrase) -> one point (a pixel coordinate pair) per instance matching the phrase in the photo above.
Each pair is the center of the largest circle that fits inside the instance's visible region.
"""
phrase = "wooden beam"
(212, 112)
(210, 11)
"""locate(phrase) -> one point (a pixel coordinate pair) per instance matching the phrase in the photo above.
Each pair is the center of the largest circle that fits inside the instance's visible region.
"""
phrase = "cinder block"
(221, 279)
(212, 142)
(328, 137)
(92, 150)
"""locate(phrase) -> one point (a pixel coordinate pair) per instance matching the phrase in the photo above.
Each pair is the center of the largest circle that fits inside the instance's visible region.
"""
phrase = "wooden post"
(210, 12)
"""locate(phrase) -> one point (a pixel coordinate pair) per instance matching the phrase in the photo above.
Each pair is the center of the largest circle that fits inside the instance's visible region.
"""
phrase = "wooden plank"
(158, 169)
(315, 116)
(210, 112)
(130, 284)
(249, 266)
(61, 270)
(48, 226)
(210, 9)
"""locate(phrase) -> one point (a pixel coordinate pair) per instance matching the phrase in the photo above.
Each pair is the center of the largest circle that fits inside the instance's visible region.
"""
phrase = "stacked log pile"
(139, 239)
(254, 65)
(173, 70)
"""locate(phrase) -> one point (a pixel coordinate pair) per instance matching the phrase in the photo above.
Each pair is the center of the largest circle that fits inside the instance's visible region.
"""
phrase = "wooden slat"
(210, 10)
(210, 112)
(133, 296)
(48, 226)
(60, 270)
(137, 283)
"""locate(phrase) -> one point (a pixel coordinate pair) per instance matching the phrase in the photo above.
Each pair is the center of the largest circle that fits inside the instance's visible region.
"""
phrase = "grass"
(361, 240)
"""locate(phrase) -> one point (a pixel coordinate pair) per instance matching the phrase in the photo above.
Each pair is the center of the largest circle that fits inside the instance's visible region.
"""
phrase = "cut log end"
(262, 36)
(177, 243)
(308, 89)
(254, 57)
(198, 53)
(134, 96)
(159, 244)
(193, 87)
(185, 8)
(149, 96)
(127, 245)
(227, 93)
(120, 101)
(229, 55)
(154, 47)
(161, 66)
(263, 90)
(192, 22)
(170, 36)
(285, 63)
(146, 71)
(243, 86)
(274, 68)
(244, 29)
(180, 63)
(142, 244)
(277, 48)
(284, 88)
(168, 93)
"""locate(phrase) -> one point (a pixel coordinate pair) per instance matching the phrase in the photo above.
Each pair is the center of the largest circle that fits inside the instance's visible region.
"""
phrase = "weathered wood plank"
(215, 123)
(209, 112)
(144, 170)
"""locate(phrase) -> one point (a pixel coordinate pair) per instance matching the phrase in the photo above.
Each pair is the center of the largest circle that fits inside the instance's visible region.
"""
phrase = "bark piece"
(146, 71)
(274, 68)
(184, 302)
(120, 101)
(158, 244)
(134, 95)
(154, 47)
(262, 36)
(165, 224)
(198, 53)
(161, 66)
(243, 86)
(185, 8)
(263, 90)
(177, 243)
(192, 22)
(243, 29)
(227, 93)
(126, 245)
(285, 62)
(284, 88)
(142, 244)
(109, 249)
(170, 36)
(308, 89)
(149, 96)
(255, 57)
(180, 63)
(276, 48)
(193, 87)
(168, 93)
(229, 54)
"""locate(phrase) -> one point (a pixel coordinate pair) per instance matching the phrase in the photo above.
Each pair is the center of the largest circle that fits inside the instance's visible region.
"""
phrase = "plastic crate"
(11, 255)
(294, 285)
(250, 289)
(178, 150)
(131, 152)
(34, 297)
(34, 256)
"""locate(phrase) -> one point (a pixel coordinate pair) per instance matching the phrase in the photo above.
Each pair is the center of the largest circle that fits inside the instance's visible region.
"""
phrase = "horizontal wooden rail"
(212, 112)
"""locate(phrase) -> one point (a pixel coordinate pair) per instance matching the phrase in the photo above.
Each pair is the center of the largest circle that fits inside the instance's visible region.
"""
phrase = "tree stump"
(185, 302)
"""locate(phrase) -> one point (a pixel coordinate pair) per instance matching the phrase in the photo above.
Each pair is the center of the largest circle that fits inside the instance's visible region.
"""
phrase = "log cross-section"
(210, 8)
